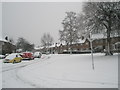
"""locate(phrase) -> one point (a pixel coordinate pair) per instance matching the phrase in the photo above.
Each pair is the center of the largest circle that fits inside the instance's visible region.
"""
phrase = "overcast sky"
(31, 20)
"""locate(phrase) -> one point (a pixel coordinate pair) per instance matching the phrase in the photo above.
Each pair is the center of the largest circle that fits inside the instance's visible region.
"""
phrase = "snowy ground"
(62, 71)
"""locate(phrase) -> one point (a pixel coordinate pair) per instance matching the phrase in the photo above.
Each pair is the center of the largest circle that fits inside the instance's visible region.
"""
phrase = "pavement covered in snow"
(63, 71)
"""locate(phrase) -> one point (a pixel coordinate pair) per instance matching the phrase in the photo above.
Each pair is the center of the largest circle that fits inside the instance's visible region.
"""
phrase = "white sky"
(31, 19)
(0, 20)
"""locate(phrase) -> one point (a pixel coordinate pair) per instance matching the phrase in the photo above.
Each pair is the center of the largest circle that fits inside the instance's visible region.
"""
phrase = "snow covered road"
(10, 77)
(63, 71)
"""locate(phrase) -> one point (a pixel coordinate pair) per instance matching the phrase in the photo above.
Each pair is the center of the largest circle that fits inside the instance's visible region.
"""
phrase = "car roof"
(12, 55)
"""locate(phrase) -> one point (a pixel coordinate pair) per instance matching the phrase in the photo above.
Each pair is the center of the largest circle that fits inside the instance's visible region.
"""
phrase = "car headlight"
(6, 59)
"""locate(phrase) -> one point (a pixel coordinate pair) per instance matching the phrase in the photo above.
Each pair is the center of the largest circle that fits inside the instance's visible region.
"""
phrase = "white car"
(2, 56)
(37, 54)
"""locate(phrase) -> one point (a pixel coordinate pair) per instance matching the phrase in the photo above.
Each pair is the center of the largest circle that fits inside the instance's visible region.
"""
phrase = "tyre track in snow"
(69, 80)
(7, 68)
(25, 81)
(16, 68)
(15, 78)
(30, 83)
(12, 68)
(51, 78)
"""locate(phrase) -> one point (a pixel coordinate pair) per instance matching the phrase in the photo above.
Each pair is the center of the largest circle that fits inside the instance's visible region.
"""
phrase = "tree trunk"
(70, 48)
(108, 37)
(108, 47)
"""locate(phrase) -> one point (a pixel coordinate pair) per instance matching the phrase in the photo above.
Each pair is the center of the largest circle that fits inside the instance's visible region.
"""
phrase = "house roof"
(37, 48)
(117, 43)
(3, 40)
(82, 40)
(101, 36)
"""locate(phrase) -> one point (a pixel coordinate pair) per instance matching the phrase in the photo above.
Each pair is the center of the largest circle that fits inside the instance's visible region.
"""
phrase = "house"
(6, 47)
(99, 43)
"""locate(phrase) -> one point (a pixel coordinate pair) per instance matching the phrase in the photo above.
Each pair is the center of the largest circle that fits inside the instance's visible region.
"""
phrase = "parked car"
(6, 54)
(37, 54)
(13, 58)
(27, 56)
(2, 56)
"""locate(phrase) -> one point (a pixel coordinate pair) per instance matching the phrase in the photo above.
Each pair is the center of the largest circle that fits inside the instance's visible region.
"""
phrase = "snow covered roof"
(117, 43)
(3, 40)
(82, 40)
(98, 36)
(54, 45)
(37, 48)
(41, 47)
(102, 35)
(19, 50)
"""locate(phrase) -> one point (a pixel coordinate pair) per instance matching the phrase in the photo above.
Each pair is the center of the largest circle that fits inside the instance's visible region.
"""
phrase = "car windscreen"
(11, 56)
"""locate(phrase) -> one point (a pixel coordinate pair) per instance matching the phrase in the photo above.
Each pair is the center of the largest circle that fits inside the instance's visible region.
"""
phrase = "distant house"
(83, 45)
(100, 43)
(38, 49)
(6, 47)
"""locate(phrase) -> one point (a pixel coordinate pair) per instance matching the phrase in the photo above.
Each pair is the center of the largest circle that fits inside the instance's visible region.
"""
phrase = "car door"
(17, 58)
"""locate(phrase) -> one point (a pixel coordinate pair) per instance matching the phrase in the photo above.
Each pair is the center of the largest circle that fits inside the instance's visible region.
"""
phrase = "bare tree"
(24, 44)
(69, 32)
(102, 17)
(46, 40)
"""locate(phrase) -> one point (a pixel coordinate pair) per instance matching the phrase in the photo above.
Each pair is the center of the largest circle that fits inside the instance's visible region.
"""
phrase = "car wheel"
(14, 61)
(20, 60)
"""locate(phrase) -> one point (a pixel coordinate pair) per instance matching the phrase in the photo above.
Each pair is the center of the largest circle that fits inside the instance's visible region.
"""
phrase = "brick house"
(83, 46)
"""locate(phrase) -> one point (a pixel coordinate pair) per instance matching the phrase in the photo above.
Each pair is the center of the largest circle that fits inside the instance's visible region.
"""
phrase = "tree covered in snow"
(81, 25)
(102, 17)
(69, 32)
(24, 44)
(46, 40)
